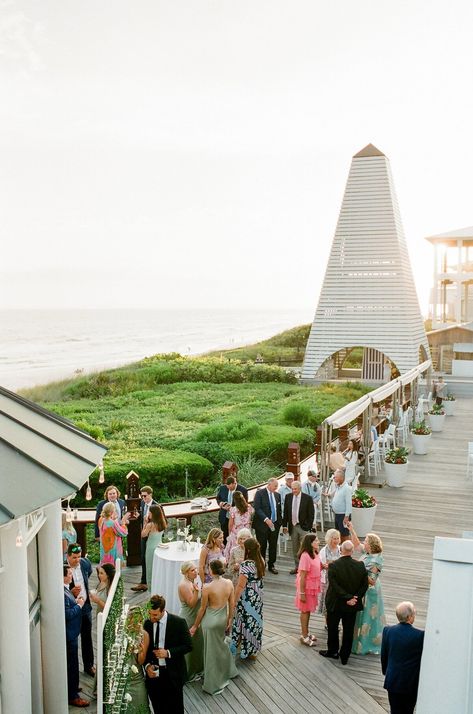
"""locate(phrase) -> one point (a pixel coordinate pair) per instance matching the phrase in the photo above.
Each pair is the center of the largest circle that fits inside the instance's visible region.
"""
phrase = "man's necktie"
(272, 501)
(156, 640)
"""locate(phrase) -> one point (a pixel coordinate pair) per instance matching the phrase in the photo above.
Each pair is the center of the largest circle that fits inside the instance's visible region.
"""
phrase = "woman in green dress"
(189, 595)
(153, 531)
(371, 620)
(215, 613)
(136, 654)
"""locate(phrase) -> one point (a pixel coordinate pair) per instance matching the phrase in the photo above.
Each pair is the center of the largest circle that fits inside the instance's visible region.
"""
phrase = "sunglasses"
(76, 549)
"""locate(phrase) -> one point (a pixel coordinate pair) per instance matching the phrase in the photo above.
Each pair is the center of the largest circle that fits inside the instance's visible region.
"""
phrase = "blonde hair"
(243, 533)
(107, 510)
(375, 543)
(67, 525)
(214, 533)
(331, 533)
(188, 565)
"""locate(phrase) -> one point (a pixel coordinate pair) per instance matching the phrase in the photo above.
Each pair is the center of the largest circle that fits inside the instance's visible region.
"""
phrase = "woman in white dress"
(351, 461)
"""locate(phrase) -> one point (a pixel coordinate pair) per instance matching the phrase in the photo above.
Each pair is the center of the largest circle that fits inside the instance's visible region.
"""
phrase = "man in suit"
(81, 572)
(111, 495)
(285, 489)
(347, 584)
(165, 665)
(225, 501)
(298, 518)
(401, 654)
(146, 493)
(267, 520)
(73, 613)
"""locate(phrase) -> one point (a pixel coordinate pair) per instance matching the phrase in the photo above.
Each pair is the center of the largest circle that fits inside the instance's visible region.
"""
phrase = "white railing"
(102, 618)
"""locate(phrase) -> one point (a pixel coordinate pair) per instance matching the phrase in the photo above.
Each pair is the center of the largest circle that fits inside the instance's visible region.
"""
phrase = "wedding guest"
(237, 555)
(135, 657)
(111, 495)
(189, 595)
(329, 553)
(73, 614)
(225, 496)
(212, 549)
(111, 534)
(312, 488)
(241, 514)
(69, 535)
(286, 488)
(308, 584)
(341, 503)
(247, 630)
(336, 460)
(153, 532)
(298, 519)
(371, 620)
(167, 640)
(215, 614)
(105, 574)
(81, 572)
(267, 521)
(351, 461)
(146, 494)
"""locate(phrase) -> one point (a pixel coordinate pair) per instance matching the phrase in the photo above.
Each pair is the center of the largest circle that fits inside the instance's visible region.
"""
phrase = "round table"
(167, 572)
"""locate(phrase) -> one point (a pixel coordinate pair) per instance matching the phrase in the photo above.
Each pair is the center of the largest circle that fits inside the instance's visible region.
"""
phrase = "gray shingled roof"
(43, 456)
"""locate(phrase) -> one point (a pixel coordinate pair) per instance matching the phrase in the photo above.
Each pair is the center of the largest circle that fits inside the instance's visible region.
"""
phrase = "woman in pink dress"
(308, 584)
(111, 533)
(241, 514)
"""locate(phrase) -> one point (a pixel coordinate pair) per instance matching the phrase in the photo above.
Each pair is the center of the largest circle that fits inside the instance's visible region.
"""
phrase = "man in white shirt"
(341, 504)
(298, 519)
(286, 488)
(311, 488)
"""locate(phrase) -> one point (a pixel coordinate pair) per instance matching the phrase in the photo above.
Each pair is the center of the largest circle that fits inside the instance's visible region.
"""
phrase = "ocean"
(40, 346)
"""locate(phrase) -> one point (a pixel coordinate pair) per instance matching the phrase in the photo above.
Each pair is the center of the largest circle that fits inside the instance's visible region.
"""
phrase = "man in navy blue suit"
(267, 521)
(147, 500)
(225, 500)
(73, 613)
(401, 654)
(81, 572)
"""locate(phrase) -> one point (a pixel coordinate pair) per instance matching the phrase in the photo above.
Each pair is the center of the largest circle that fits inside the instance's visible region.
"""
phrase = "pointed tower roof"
(369, 150)
(368, 298)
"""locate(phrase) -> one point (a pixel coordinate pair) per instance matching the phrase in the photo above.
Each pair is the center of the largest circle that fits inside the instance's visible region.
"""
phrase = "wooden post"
(229, 468)
(294, 459)
(134, 526)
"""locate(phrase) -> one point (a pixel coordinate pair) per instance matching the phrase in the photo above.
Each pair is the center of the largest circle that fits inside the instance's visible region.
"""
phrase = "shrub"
(253, 471)
(229, 430)
(299, 414)
(96, 432)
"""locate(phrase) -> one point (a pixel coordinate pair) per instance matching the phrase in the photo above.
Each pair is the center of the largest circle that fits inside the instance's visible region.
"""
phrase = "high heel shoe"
(307, 641)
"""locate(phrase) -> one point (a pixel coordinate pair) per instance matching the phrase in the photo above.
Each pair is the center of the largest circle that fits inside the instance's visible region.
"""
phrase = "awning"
(349, 412)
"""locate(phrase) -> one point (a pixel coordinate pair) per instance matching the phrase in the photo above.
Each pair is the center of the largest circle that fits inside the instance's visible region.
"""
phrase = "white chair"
(356, 482)
(469, 466)
(402, 428)
(374, 459)
(387, 440)
(319, 514)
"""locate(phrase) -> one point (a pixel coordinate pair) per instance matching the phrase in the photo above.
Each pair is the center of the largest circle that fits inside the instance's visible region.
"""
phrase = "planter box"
(420, 443)
(449, 407)
(437, 421)
(363, 519)
(396, 474)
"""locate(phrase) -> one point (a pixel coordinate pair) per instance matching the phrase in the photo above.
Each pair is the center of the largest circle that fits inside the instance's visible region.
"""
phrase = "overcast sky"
(195, 152)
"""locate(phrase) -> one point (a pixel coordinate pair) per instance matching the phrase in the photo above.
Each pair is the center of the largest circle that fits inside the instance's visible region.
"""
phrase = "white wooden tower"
(368, 298)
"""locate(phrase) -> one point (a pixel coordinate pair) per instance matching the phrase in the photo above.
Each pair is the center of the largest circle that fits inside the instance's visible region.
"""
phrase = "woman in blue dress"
(371, 620)
(247, 630)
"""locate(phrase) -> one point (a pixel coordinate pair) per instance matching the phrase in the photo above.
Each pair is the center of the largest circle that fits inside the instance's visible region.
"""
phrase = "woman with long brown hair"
(247, 630)
(153, 531)
(308, 584)
(212, 549)
(240, 514)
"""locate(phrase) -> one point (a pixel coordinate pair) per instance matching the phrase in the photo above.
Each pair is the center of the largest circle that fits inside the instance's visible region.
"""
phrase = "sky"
(194, 153)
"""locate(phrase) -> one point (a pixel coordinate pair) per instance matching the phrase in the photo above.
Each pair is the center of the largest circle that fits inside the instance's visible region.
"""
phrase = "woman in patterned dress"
(371, 620)
(308, 584)
(111, 533)
(237, 555)
(211, 550)
(241, 514)
(247, 630)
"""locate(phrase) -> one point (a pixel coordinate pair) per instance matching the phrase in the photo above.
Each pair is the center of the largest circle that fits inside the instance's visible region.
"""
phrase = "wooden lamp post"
(133, 504)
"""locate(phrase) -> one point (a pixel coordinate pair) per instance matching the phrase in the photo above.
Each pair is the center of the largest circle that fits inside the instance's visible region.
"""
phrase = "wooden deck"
(288, 677)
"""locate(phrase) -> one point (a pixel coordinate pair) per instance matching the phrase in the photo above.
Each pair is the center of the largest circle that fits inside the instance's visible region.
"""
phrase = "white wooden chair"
(387, 440)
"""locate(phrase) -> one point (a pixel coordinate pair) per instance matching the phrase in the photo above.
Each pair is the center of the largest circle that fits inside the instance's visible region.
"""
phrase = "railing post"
(294, 459)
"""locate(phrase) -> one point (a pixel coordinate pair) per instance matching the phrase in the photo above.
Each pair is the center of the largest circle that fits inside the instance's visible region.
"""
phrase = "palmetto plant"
(397, 456)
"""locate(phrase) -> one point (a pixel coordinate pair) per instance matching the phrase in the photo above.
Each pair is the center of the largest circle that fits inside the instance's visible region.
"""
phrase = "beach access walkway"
(290, 678)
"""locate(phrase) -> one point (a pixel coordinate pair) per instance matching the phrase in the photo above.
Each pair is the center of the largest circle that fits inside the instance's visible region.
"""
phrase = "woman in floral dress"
(247, 630)
(111, 533)
(241, 514)
(211, 550)
(237, 556)
(371, 620)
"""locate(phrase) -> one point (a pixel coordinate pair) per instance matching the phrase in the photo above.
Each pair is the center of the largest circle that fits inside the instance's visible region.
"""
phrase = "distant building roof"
(457, 326)
(369, 150)
(451, 237)
(43, 456)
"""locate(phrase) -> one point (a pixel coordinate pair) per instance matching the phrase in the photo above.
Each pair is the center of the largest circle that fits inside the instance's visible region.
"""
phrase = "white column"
(53, 628)
(435, 291)
(14, 625)
(458, 297)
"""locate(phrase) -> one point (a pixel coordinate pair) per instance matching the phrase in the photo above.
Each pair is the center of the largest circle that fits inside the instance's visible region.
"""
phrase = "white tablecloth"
(167, 572)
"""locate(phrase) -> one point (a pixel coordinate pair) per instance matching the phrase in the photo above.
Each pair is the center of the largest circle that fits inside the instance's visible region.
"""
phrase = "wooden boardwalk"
(288, 677)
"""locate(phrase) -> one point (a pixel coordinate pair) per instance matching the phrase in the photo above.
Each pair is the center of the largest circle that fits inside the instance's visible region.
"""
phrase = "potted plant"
(436, 417)
(363, 511)
(420, 433)
(449, 404)
(396, 464)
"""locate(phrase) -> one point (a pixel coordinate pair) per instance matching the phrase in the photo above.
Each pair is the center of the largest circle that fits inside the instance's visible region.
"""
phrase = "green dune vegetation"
(167, 416)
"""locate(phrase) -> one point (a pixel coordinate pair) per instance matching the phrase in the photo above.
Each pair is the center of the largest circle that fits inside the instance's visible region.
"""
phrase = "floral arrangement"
(420, 428)
(362, 499)
(185, 534)
(449, 398)
(437, 410)
(397, 456)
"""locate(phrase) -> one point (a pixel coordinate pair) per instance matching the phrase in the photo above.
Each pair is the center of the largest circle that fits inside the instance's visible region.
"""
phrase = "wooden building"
(451, 348)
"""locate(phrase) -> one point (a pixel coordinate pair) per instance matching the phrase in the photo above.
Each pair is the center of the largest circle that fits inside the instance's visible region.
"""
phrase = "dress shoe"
(326, 653)
(139, 588)
(79, 702)
(293, 571)
(343, 661)
(273, 570)
(91, 671)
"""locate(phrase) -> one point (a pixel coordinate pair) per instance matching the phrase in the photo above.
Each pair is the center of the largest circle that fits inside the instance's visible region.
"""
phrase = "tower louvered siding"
(368, 297)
